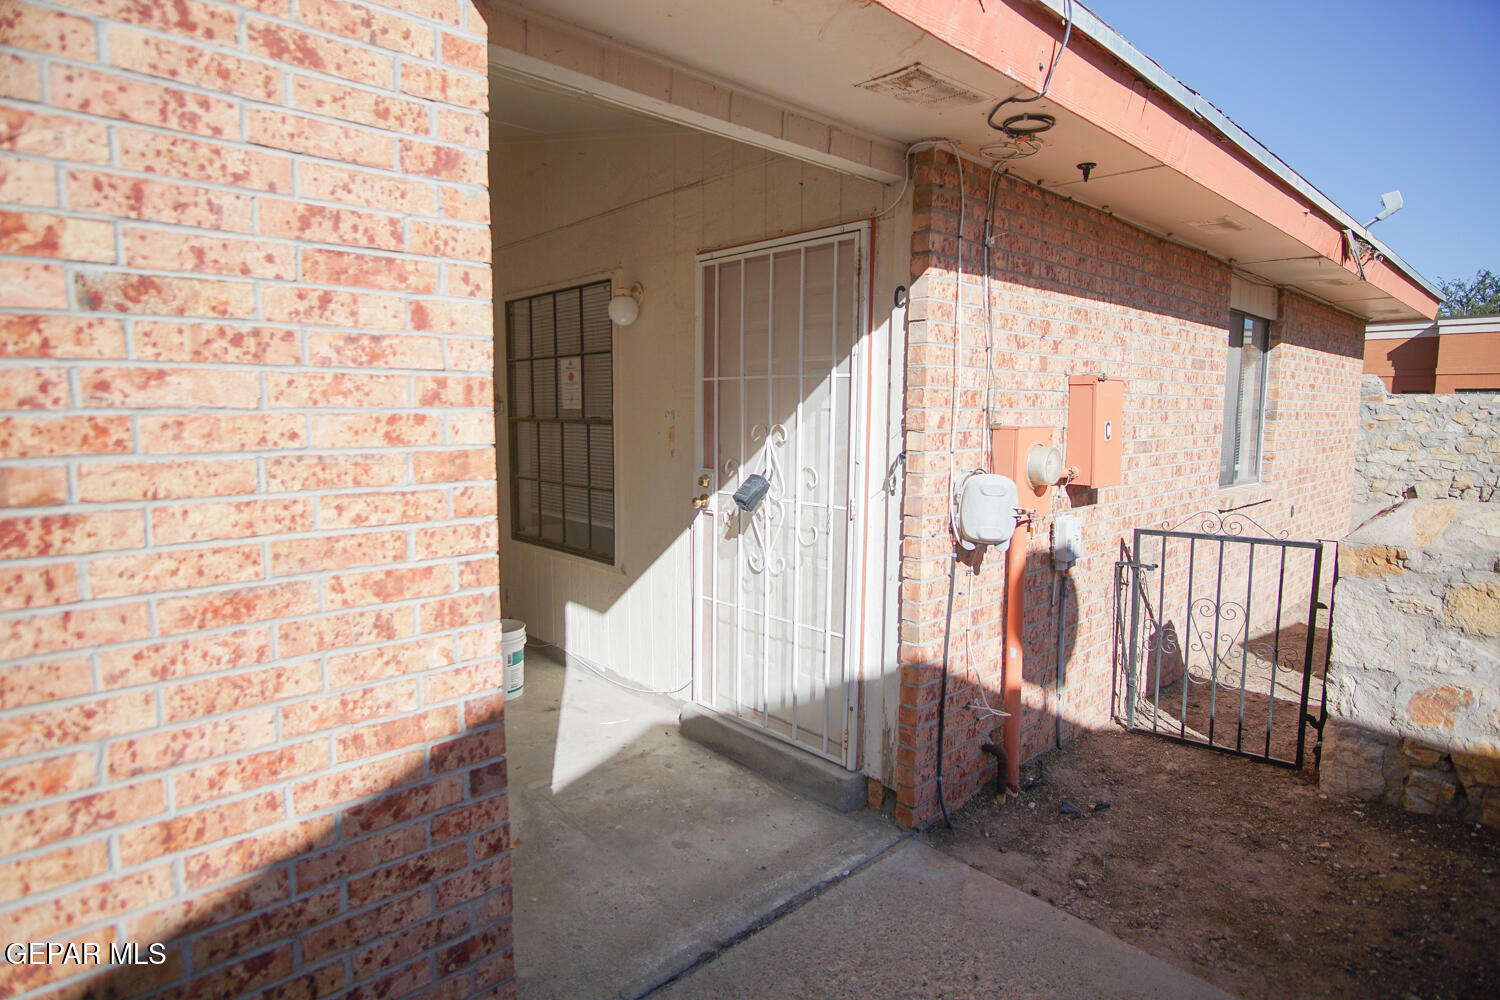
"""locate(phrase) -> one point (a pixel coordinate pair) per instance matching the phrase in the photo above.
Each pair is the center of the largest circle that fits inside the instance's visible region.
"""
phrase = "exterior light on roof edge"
(1391, 202)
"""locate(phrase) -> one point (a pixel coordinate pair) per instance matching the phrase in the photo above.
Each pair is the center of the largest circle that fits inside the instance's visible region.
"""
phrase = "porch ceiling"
(814, 55)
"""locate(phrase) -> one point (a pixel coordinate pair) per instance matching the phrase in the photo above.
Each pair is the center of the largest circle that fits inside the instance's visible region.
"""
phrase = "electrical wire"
(958, 325)
(943, 691)
(906, 180)
(598, 671)
(989, 308)
(905, 183)
(958, 292)
(989, 711)
(1046, 81)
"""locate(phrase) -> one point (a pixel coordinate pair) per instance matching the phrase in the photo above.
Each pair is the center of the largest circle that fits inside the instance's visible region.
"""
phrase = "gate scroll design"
(1218, 634)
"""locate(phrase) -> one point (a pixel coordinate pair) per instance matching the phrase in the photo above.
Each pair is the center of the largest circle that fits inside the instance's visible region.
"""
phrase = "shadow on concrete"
(638, 850)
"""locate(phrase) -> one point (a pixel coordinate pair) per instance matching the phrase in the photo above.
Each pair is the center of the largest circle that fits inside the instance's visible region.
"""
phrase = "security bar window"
(1244, 399)
(562, 455)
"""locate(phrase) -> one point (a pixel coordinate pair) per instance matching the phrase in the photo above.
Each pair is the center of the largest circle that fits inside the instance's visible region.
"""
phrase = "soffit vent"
(916, 84)
(1223, 224)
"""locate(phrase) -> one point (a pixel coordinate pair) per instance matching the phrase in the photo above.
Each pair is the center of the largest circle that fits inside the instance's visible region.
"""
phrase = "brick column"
(250, 698)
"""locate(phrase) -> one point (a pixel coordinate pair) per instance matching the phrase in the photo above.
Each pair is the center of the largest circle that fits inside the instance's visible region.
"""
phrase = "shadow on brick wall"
(404, 893)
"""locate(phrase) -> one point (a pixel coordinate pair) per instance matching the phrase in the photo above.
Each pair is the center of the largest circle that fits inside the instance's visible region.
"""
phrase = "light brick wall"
(248, 706)
(1075, 291)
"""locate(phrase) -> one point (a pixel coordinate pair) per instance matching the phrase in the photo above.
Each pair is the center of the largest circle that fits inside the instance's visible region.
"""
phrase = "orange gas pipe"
(1010, 446)
(1015, 610)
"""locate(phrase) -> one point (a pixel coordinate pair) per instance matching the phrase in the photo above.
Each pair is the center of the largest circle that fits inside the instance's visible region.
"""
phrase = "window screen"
(562, 457)
(1244, 399)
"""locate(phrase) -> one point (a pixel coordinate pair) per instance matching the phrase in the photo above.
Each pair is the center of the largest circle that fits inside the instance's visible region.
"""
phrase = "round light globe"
(623, 310)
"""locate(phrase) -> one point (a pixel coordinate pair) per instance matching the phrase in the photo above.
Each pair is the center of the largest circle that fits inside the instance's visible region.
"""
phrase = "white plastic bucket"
(513, 655)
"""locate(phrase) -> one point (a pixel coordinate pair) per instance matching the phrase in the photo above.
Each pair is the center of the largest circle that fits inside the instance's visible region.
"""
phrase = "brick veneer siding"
(248, 613)
(1074, 290)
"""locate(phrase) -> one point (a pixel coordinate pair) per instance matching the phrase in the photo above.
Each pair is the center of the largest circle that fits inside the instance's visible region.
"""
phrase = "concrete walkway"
(917, 923)
(636, 850)
(646, 865)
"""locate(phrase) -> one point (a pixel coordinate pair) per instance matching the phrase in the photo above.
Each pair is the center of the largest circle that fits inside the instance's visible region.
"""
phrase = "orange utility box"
(1011, 448)
(1096, 429)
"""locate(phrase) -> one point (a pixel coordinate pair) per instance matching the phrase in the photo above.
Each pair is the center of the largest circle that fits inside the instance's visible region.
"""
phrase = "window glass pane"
(528, 517)
(525, 456)
(569, 386)
(1244, 399)
(544, 388)
(576, 454)
(576, 517)
(518, 328)
(543, 343)
(562, 456)
(569, 322)
(520, 389)
(552, 513)
(598, 387)
(601, 457)
(550, 462)
(597, 330)
(1252, 397)
(602, 511)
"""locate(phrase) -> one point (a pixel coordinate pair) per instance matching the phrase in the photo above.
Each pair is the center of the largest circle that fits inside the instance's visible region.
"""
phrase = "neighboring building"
(249, 705)
(1460, 354)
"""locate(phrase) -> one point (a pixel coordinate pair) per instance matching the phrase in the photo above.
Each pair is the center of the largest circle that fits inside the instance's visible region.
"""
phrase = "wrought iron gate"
(1219, 632)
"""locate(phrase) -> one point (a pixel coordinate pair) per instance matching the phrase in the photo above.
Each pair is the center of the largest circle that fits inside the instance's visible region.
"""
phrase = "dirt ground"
(1244, 874)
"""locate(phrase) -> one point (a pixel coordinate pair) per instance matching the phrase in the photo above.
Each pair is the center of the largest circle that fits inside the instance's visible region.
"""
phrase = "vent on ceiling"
(1332, 281)
(1223, 224)
(916, 84)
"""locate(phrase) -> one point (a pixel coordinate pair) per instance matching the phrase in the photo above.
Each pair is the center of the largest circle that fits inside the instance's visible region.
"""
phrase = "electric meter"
(1044, 466)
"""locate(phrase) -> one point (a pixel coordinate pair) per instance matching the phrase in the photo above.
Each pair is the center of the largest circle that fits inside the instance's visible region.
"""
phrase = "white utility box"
(987, 510)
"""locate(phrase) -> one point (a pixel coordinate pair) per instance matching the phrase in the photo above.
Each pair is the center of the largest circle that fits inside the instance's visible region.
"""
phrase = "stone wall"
(1427, 445)
(1414, 679)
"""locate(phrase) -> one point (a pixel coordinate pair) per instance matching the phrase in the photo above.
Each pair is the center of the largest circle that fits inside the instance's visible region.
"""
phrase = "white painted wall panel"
(638, 207)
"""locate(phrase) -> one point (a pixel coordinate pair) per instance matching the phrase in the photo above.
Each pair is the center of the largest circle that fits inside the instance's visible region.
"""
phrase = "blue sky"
(1359, 98)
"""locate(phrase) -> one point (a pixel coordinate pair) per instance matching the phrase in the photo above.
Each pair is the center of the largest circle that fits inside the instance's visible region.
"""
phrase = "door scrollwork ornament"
(767, 522)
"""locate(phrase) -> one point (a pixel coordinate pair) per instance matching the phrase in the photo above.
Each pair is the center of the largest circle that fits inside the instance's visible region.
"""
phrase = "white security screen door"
(782, 342)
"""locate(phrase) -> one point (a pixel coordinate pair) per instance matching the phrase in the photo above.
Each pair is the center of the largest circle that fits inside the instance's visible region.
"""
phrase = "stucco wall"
(1427, 445)
(248, 703)
(637, 206)
(1414, 680)
(1074, 291)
